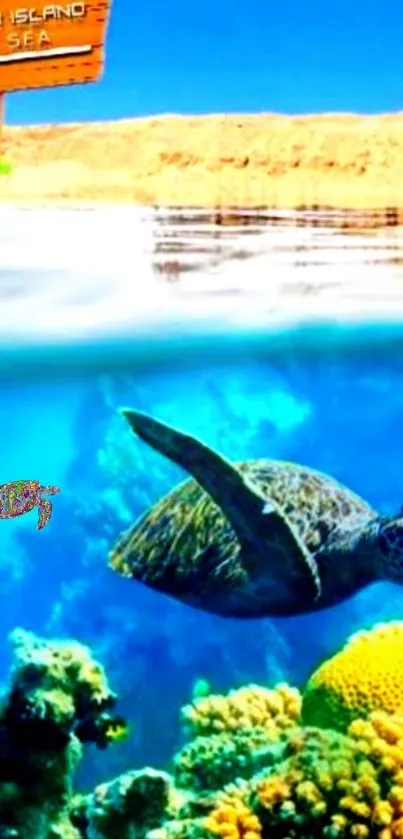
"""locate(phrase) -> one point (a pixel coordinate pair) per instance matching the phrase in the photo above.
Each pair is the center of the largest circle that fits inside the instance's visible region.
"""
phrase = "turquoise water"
(278, 339)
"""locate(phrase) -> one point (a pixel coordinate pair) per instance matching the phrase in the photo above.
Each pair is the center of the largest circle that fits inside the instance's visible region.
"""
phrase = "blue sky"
(289, 56)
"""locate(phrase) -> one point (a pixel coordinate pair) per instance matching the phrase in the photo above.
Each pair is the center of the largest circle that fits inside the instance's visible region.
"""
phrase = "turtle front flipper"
(44, 512)
(272, 552)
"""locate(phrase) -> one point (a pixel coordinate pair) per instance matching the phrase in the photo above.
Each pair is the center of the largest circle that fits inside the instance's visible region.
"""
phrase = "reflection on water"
(70, 274)
(199, 241)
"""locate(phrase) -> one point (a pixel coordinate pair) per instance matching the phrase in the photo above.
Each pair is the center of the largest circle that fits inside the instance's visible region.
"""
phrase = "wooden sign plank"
(47, 45)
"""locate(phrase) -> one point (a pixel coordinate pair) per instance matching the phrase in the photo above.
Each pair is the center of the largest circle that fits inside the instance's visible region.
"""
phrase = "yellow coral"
(397, 829)
(383, 735)
(273, 790)
(339, 824)
(329, 786)
(236, 821)
(116, 731)
(233, 794)
(366, 676)
(360, 831)
(252, 706)
(338, 786)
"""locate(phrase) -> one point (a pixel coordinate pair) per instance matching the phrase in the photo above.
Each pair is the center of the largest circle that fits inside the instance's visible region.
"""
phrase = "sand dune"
(338, 161)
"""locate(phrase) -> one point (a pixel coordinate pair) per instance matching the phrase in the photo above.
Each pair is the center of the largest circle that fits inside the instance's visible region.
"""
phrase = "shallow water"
(277, 338)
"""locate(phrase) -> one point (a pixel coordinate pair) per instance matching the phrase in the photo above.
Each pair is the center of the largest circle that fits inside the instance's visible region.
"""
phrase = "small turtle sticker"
(19, 497)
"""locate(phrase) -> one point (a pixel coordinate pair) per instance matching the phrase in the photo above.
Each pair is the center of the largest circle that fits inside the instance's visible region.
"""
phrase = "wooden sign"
(47, 45)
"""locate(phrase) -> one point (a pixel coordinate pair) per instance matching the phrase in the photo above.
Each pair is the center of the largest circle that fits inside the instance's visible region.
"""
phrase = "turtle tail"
(44, 513)
(389, 537)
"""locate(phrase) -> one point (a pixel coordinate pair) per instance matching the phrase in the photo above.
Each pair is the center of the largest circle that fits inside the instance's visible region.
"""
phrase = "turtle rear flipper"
(44, 512)
(273, 553)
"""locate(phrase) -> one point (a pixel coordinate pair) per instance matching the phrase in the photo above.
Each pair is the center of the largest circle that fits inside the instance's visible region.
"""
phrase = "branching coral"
(381, 738)
(249, 707)
(314, 788)
(234, 735)
(366, 676)
(326, 785)
(234, 821)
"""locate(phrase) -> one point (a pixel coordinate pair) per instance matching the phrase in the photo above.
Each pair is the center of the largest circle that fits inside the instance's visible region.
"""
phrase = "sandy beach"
(335, 161)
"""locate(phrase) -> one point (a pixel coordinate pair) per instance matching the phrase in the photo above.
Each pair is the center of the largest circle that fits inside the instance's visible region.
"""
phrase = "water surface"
(118, 275)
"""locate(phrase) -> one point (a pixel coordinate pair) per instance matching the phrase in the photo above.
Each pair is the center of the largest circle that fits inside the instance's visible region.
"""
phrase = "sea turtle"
(255, 538)
(19, 497)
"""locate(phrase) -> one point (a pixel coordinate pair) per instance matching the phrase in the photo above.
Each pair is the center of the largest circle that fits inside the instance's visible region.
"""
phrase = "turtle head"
(49, 490)
(390, 547)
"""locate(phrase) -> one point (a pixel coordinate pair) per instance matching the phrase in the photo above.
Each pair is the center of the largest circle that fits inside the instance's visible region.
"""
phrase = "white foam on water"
(82, 276)
(66, 275)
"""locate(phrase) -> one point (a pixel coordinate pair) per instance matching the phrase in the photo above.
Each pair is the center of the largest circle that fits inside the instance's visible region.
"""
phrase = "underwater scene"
(201, 525)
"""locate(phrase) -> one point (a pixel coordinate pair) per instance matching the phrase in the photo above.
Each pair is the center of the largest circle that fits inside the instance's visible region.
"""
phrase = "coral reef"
(58, 699)
(233, 735)
(326, 784)
(251, 768)
(316, 783)
(321, 783)
(365, 676)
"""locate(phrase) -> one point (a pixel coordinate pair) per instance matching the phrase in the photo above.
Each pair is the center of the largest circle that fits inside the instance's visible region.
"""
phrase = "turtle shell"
(187, 547)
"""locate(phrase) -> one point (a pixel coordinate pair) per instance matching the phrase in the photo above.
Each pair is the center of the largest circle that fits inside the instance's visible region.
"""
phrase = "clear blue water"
(266, 340)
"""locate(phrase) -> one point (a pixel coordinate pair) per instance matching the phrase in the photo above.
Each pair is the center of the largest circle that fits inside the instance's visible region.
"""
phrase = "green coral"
(208, 763)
